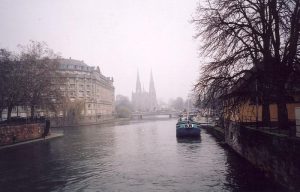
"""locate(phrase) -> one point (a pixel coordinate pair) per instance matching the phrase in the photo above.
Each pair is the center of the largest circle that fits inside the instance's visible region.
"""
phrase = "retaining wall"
(277, 155)
(10, 134)
(215, 131)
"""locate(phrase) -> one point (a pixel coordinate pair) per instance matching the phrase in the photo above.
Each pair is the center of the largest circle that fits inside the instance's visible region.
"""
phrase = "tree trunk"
(32, 111)
(265, 102)
(266, 113)
(9, 110)
(283, 121)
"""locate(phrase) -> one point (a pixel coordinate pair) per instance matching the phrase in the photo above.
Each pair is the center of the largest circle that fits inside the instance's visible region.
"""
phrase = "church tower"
(142, 100)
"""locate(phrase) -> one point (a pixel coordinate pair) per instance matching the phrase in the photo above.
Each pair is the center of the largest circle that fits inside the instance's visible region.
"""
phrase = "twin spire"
(151, 86)
(139, 86)
(143, 100)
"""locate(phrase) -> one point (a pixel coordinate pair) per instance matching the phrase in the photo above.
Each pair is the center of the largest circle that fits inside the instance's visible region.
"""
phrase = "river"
(139, 156)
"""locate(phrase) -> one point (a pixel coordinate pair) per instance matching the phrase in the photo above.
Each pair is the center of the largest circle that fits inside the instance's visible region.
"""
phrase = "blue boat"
(186, 127)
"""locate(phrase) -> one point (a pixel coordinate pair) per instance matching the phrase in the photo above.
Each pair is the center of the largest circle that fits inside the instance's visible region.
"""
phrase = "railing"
(272, 128)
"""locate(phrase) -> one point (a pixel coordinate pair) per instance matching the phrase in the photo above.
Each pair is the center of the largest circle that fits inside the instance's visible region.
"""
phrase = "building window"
(81, 94)
(72, 86)
(81, 87)
(72, 93)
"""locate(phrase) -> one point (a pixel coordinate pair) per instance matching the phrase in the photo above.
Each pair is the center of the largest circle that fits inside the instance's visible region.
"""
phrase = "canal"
(140, 156)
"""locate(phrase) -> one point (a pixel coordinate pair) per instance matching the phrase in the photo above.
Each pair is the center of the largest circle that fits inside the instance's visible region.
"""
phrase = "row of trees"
(255, 51)
(29, 78)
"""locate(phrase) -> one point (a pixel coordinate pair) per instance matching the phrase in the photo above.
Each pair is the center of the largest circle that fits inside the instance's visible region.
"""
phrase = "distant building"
(142, 100)
(87, 85)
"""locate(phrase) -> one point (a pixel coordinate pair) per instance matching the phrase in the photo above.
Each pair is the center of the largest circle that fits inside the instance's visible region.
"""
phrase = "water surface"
(143, 156)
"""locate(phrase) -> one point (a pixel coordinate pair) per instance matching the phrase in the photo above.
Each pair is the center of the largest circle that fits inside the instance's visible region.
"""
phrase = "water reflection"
(21, 168)
(189, 140)
(240, 174)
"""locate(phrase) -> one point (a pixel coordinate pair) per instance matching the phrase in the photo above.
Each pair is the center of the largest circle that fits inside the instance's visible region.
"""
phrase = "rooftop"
(72, 62)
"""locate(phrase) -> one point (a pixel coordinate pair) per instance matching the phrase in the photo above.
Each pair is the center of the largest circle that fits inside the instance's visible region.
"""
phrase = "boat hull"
(187, 132)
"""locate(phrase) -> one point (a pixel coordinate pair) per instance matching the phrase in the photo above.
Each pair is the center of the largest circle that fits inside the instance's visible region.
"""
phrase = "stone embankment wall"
(277, 155)
(215, 131)
(10, 134)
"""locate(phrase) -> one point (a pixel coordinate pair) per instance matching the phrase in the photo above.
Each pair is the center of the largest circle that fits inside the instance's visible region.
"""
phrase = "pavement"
(51, 136)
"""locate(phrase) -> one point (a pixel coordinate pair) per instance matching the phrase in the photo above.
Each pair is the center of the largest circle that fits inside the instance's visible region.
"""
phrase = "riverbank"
(53, 135)
(16, 132)
(278, 156)
(217, 132)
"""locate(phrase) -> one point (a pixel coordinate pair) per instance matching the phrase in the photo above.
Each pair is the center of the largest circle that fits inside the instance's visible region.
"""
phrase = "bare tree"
(11, 82)
(251, 41)
(4, 62)
(41, 76)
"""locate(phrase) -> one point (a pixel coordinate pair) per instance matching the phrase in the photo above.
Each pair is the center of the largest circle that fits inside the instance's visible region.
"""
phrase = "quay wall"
(10, 134)
(278, 156)
(215, 131)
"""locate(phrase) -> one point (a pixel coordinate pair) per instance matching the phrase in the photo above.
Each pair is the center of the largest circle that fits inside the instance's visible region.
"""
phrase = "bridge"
(170, 114)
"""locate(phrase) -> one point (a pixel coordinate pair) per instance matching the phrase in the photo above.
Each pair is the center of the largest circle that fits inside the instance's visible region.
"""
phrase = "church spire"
(138, 84)
(152, 94)
(151, 86)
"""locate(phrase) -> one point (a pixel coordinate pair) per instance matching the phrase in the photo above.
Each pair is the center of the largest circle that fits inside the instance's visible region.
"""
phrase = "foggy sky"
(119, 36)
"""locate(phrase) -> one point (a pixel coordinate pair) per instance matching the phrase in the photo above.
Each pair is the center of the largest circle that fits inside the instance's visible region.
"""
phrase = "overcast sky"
(119, 36)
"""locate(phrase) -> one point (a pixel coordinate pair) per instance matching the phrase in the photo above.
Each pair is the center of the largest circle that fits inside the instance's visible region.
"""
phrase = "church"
(143, 100)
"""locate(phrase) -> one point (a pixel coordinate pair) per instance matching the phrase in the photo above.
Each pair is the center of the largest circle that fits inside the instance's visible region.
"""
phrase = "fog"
(120, 36)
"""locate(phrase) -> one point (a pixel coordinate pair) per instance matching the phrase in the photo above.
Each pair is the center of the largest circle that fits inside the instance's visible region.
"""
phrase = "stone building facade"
(87, 86)
(142, 100)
